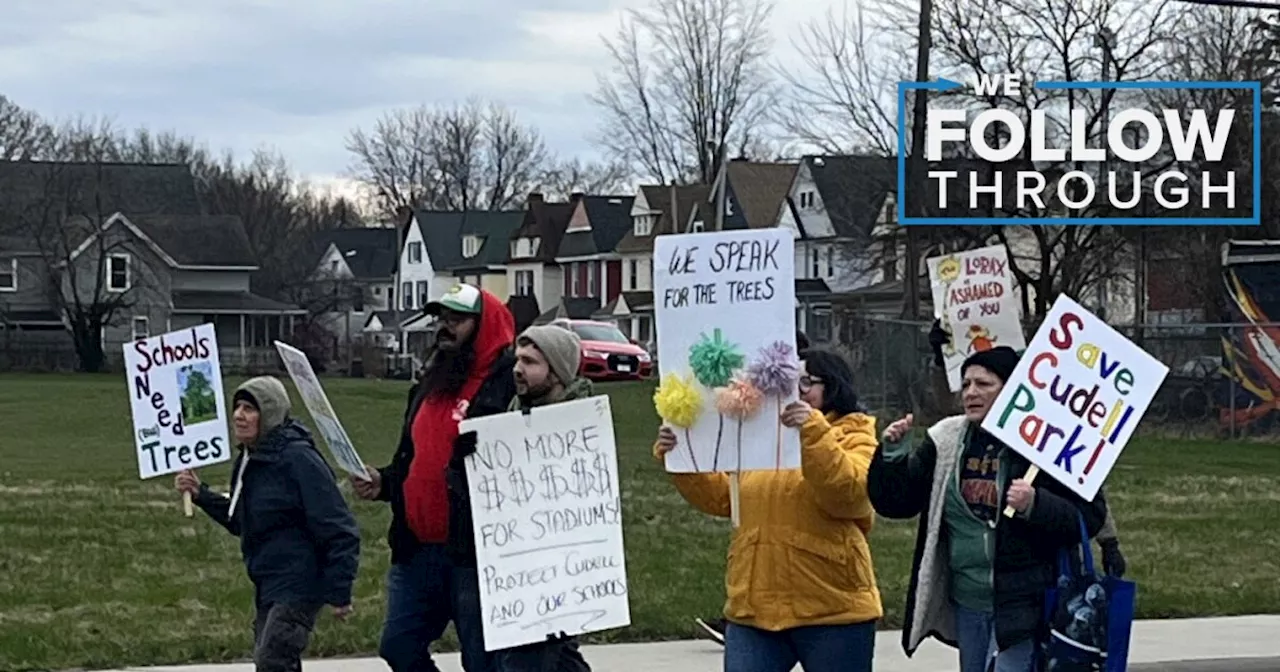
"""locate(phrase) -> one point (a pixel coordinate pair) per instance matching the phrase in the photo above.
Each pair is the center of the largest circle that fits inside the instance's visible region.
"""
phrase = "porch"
(245, 325)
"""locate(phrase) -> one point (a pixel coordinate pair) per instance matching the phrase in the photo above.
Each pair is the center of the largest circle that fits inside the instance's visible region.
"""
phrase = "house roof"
(761, 189)
(370, 252)
(32, 188)
(229, 302)
(853, 189)
(547, 221)
(610, 218)
(494, 228)
(200, 240)
(659, 198)
(441, 236)
(389, 318)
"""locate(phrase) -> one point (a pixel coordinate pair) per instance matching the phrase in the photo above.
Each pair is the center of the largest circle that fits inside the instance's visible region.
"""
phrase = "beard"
(447, 371)
(530, 394)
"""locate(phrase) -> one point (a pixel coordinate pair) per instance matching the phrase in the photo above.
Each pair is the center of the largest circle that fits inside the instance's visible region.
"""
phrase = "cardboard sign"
(548, 523)
(974, 298)
(727, 296)
(179, 409)
(317, 402)
(1076, 398)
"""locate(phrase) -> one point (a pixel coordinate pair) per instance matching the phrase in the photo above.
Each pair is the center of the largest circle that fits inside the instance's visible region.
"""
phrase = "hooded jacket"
(492, 369)
(300, 543)
(800, 556)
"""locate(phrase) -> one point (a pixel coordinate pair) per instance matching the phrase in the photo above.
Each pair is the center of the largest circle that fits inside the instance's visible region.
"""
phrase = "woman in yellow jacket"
(801, 588)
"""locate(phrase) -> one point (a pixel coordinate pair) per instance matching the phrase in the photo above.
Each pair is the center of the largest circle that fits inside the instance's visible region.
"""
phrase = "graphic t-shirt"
(978, 488)
(972, 506)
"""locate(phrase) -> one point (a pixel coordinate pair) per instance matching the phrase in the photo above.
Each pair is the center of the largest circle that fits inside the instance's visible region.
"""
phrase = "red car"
(607, 354)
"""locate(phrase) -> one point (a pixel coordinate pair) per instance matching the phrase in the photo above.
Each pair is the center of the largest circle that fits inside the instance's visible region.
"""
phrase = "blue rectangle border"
(947, 85)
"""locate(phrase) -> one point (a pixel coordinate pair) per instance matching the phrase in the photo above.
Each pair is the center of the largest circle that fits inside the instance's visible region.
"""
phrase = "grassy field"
(100, 569)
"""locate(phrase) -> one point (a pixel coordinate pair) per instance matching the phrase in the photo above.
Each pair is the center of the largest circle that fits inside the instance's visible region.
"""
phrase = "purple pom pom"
(776, 370)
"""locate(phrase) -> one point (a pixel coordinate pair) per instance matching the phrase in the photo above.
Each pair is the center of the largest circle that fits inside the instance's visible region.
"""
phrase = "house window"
(819, 325)
(415, 253)
(524, 283)
(831, 267)
(698, 226)
(644, 225)
(141, 327)
(633, 274)
(357, 299)
(575, 287)
(813, 263)
(470, 246)
(591, 279)
(333, 267)
(524, 248)
(8, 275)
(806, 199)
(406, 296)
(422, 293)
(118, 275)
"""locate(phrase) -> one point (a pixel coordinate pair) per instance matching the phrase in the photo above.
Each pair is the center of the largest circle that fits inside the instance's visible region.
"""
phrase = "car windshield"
(599, 332)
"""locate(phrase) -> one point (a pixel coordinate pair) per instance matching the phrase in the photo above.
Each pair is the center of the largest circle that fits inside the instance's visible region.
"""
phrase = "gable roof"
(370, 253)
(761, 189)
(853, 189)
(441, 236)
(494, 228)
(31, 188)
(610, 218)
(688, 198)
(202, 240)
(545, 220)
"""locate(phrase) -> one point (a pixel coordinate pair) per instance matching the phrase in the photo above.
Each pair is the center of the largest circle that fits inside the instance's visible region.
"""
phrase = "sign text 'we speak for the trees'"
(179, 408)
(548, 523)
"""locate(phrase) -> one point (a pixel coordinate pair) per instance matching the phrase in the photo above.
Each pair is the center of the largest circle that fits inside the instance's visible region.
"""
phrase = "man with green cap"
(546, 372)
(300, 543)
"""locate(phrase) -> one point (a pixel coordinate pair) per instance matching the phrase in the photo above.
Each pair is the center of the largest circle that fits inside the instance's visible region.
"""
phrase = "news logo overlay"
(1085, 153)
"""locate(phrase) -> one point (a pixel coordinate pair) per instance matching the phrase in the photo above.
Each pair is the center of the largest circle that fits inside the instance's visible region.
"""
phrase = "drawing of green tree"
(199, 404)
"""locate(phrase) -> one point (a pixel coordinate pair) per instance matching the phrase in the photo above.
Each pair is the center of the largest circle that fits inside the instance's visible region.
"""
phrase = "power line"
(1247, 4)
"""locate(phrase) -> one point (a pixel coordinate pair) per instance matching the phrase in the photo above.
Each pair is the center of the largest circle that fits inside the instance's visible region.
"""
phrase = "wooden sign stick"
(186, 504)
(1032, 472)
(735, 504)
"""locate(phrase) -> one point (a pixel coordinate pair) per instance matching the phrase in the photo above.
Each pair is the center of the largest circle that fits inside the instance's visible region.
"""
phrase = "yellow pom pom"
(677, 400)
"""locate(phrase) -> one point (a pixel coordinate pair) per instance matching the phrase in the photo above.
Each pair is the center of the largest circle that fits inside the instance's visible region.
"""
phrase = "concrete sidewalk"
(1240, 644)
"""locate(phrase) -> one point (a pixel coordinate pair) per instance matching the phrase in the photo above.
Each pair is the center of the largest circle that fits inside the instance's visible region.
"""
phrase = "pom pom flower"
(776, 371)
(679, 402)
(714, 360)
(739, 400)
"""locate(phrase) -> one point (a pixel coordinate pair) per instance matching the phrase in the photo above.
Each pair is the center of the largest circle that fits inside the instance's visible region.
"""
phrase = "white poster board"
(179, 407)
(1076, 398)
(974, 298)
(327, 424)
(548, 523)
(735, 289)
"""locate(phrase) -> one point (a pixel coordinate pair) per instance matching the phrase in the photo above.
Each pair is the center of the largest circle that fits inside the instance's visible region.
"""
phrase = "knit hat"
(269, 396)
(561, 347)
(1000, 360)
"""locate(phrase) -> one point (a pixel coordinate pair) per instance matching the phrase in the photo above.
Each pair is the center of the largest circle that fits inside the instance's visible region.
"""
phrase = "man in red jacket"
(469, 375)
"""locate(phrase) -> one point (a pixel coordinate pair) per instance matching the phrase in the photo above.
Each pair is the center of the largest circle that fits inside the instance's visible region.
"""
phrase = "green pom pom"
(715, 360)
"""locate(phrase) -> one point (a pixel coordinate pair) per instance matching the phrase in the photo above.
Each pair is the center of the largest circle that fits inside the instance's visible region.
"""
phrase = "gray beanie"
(561, 347)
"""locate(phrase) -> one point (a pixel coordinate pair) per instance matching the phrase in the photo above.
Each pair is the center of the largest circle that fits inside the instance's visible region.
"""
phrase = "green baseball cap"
(461, 298)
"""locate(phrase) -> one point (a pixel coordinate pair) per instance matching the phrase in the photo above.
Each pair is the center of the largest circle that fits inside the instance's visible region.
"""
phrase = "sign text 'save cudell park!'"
(1097, 152)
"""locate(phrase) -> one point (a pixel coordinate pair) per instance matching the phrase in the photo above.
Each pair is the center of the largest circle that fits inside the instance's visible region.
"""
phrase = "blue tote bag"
(1090, 617)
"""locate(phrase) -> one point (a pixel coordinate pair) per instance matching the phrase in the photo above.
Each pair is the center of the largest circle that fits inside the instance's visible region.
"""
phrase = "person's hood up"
(269, 396)
(494, 333)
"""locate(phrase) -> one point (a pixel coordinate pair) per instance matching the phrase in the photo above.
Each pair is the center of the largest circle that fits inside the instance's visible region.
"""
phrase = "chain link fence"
(1215, 388)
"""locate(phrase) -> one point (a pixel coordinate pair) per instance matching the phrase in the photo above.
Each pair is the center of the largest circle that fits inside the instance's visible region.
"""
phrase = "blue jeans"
(976, 635)
(423, 596)
(817, 648)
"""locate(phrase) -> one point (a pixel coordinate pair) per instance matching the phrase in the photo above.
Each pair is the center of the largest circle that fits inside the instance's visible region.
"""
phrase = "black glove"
(464, 445)
(938, 337)
(1112, 560)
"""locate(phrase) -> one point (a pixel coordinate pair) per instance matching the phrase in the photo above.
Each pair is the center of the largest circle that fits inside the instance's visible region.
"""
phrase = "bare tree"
(467, 156)
(842, 97)
(564, 177)
(23, 134)
(690, 82)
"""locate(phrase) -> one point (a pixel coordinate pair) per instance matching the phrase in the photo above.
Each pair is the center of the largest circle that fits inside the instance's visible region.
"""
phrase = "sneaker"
(714, 628)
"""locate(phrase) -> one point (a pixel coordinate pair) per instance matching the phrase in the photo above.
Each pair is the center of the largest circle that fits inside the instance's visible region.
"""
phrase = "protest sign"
(726, 322)
(1075, 398)
(327, 424)
(548, 523)
(973, 298)
(179, 408)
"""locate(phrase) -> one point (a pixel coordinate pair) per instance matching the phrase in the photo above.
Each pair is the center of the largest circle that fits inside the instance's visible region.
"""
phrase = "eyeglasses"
(807, 382)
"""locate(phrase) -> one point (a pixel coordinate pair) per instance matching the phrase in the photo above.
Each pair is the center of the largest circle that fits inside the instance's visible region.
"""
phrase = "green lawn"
(99, 569)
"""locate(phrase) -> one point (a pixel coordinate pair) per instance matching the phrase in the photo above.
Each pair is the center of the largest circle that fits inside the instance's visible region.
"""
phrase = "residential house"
(357, 271)
(531, 256)
(484, 247)
(652, 215)
(588, 256)
(136, 236)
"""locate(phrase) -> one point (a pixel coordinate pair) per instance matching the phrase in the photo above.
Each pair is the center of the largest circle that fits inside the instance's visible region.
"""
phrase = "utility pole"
(916, 168)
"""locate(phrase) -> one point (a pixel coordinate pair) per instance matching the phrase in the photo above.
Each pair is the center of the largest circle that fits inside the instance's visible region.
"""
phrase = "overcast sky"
(297, 76)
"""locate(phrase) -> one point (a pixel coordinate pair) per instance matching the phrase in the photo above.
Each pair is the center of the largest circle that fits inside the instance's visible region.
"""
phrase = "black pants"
(281, 633)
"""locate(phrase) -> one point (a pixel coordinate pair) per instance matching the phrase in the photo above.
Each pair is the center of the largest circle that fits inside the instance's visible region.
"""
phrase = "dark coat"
(299, 540)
